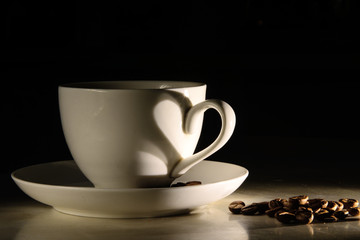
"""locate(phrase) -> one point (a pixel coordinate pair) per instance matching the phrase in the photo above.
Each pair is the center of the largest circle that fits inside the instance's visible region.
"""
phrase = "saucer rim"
(131, 202)
(28, 182)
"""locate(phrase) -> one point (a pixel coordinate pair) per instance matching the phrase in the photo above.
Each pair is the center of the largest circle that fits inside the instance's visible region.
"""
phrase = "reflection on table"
(25, 218)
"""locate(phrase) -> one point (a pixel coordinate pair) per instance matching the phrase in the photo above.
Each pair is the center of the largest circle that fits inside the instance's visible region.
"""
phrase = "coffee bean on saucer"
(236, 206)
(182, 184)
(354, 211)
(178, 184)
(193, 183)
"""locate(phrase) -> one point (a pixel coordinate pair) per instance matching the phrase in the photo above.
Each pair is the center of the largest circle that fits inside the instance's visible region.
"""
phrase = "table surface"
(24, 218)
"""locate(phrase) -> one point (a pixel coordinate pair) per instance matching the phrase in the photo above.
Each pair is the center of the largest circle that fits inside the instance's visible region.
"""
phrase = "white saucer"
(62, 186)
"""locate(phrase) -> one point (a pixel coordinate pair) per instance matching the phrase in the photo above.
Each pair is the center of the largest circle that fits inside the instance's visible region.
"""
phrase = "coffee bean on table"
(277, 202)
(341, 215)
(340, 206)
(354, 211)
(236, 206)
(349, 203)
(304, 215)
(250, 209)
(317, 204)
(262, 207)
(272, 211)
(300, 209)
(330, 219)
(285, 217)
(332, 206)
(322, 214)
(296, 201)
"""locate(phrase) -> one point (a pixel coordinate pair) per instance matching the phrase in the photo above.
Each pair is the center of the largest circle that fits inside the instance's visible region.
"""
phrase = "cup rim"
(132, 85)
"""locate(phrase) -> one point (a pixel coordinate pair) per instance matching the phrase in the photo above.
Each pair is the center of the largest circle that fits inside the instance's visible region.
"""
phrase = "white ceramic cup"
(134, 134)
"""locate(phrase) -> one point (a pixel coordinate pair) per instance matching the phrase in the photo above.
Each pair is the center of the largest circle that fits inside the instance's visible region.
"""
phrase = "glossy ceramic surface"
(127, 134)
(63, 186)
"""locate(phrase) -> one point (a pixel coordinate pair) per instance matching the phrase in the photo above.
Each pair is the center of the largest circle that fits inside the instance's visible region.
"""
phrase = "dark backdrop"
(285, 67)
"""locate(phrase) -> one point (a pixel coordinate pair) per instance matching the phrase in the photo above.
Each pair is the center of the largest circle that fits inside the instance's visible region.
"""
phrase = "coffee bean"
(262, 207)
(295, 202)
(236, 206)
(278, 202)
(317, 210)
(323, 214)
(272, 211)
(341, 215)
(182, 184)
(304, 215)
(305, 208)
(332, 206)
(300, 209)
(285, 217)
(178, 184)
(193, 183)
(291, 210)
(349, 203)
(250, 209)
(340, 206)
(354, 211)
(330, 219)
(317, 203)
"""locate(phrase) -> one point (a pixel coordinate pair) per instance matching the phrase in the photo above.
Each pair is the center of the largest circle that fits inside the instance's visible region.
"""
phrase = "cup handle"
(228, 119)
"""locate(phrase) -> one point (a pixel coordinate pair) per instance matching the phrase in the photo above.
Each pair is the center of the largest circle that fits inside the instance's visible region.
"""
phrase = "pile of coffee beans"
(183, 184)
(300, 209)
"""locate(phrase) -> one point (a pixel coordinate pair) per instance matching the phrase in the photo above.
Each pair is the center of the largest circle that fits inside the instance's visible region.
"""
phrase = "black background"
(286, 67)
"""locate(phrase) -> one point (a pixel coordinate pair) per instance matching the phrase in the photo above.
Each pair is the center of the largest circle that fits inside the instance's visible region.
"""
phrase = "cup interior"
(133, 85)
